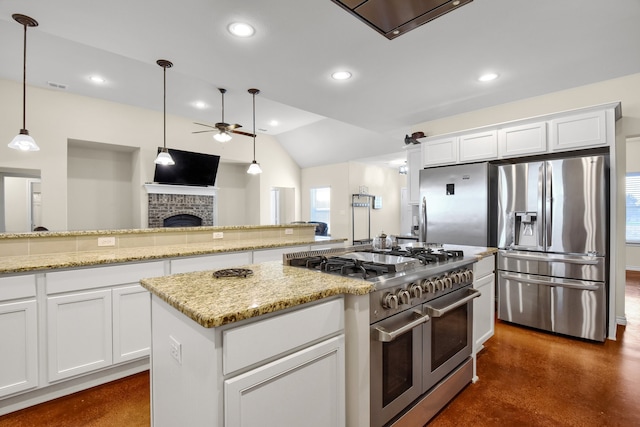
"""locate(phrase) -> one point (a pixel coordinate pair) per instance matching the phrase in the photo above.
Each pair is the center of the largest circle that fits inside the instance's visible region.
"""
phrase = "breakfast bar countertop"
(271, 287)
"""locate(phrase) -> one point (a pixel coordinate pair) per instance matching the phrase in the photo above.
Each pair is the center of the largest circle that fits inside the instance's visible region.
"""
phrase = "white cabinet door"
(579, 131)
(79, 333)
(131, 323)
(303, 389)
(19, 335)
(478, 146)
(442, 151)
(484, 311)
(522, 140)
(414, 165)
(210, 262)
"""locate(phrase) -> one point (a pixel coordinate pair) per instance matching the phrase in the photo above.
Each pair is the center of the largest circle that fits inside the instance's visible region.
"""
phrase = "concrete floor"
(527, 378)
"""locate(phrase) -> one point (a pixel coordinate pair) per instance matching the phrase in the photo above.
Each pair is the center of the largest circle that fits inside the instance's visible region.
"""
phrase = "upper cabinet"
(566, 131)
(522, 140)
(579, 131)
(442, 151)
(478, 146)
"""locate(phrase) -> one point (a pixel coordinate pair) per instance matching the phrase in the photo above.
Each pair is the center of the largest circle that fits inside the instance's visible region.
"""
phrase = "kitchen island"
(229, 350)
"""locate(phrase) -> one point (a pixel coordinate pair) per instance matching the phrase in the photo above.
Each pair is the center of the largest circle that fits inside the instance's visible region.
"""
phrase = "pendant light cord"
(164, 109)
(24, 80)
(254, 127)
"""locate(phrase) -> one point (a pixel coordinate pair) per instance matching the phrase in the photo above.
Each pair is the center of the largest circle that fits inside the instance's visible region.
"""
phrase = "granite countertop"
(21, 264)
(214, 302)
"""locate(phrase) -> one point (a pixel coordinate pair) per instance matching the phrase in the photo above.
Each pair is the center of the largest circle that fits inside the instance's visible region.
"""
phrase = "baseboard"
(632, 268)
(621, 320)
(54, 391)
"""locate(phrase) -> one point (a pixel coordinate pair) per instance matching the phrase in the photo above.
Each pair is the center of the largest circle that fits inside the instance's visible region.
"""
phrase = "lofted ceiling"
(431, 72)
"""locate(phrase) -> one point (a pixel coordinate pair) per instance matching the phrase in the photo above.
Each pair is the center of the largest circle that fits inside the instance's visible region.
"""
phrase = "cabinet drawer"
(16, 287)
(246, 345)
(486, 265)
(100, 277)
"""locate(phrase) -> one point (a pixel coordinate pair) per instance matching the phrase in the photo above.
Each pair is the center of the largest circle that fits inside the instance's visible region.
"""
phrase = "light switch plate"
(218, 235)
(106, 241)
(288, 231)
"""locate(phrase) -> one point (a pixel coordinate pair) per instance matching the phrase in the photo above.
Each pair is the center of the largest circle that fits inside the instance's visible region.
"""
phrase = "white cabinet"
(210, 262)
(522, 140)
(303, 389)
(414, 165)
(442, 151)
(579, 131)
(131, 323)
(478, 146)
(484, 306)
(19, 332)
(78, 333)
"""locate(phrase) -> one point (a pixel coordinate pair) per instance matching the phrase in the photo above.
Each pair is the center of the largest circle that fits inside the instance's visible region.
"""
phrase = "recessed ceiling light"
(341, 75)
(487, 77)
(200, 104)
(97, 79)
(241, 29)
(273, 123)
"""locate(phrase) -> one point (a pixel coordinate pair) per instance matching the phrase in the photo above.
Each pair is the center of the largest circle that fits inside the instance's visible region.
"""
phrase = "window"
(321, 205)
(633, 207)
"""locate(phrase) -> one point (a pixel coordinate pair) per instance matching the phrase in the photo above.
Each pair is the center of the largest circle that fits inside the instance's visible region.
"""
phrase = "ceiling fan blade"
(203, 131)
(202, 124)
(239, 132)
(232, 127)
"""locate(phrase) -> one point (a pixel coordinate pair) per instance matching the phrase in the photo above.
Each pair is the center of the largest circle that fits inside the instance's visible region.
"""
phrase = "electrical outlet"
(218, 235)
(288, 231)
(106, 241)
(175, 348)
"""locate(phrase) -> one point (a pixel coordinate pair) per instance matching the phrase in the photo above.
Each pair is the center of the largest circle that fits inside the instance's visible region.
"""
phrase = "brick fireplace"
(181, 205)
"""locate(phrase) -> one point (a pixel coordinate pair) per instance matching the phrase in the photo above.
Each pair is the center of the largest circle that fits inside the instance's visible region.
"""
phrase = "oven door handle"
(439, 312)
(382, 335)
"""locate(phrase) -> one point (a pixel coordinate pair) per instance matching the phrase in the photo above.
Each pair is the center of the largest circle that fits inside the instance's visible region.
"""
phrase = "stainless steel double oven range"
(421, 324)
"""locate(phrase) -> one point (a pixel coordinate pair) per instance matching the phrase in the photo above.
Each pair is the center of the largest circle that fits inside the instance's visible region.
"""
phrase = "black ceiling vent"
(392, 18)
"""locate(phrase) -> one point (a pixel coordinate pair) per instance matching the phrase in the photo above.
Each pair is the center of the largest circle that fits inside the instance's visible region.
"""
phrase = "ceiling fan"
(224, 129)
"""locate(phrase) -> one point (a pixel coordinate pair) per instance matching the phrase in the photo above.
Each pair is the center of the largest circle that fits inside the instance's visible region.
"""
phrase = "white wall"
(54, 117)
(99, 189)
(16, 210)
(345, 180)
(232, 182)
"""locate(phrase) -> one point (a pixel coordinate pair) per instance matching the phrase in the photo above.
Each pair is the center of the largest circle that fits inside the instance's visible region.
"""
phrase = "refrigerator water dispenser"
(526, 229)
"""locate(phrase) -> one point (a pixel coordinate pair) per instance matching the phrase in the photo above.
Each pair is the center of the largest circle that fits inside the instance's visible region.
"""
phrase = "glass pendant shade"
(24, 142)
(254, 168)
(164, 158)
(222, 136)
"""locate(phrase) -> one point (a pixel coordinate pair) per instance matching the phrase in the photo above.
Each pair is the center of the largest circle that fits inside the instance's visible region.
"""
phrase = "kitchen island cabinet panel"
(303, 389)
(79, 333)
(19, 332)
(484, 306)
(131, 323)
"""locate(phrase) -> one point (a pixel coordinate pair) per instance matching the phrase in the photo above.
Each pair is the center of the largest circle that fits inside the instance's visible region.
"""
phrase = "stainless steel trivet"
(232, 272)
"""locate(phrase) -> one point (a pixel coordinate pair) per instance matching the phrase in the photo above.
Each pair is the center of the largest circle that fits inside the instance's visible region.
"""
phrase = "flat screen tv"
(190, 169)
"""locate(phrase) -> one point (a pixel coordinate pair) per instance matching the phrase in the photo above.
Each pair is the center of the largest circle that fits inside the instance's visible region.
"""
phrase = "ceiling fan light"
(222, 136)
(24, 142)
(254, 168)
(164, 158)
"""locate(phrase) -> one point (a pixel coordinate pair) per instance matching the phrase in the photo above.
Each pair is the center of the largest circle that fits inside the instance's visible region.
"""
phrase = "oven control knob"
(389, 300)
(416, 290)
(439, 284)
(404, 297)
(447, 282)
(428, 286)
(468, 275)
(456, 277)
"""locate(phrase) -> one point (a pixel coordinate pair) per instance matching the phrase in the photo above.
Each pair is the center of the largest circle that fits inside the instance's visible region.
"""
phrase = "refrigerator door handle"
(541, 206)
(547, 259)
(423, 221)
(548, 214)
(562, 284)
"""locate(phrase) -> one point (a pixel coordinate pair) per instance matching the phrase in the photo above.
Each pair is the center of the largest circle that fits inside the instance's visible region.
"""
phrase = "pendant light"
(164, 158)
(23, 141)
(254, 167)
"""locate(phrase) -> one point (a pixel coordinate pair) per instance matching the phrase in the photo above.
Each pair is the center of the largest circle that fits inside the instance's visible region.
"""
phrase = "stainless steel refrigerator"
(553, 222)
(458, 205)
